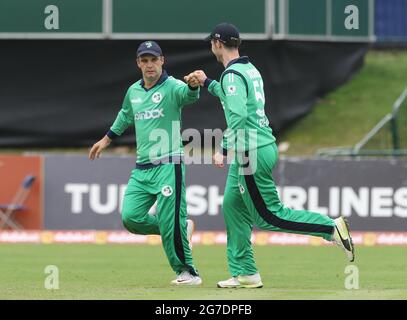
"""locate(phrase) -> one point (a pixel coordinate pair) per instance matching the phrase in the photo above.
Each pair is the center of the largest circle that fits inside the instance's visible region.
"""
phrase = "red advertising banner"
(17, 189)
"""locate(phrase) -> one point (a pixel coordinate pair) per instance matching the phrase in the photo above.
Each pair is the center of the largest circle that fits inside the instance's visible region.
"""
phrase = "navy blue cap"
(149, 47)
(225, 32)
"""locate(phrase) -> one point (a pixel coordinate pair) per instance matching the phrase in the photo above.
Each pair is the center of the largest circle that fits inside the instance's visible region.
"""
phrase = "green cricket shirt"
(240, 90)
(156, 115)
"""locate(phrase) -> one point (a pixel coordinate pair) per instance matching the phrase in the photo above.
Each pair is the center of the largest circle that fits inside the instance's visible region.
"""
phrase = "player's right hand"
(192, 80)
(98, 147)
(198, 76)
(201, 76)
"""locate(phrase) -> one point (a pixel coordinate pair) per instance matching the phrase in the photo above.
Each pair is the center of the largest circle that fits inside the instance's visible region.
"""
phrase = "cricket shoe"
(190, 231)
(186, 279)
(242, 281)
(343, 239)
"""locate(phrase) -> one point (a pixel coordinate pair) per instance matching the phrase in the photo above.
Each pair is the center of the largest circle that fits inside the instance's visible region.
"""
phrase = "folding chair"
(8, 209)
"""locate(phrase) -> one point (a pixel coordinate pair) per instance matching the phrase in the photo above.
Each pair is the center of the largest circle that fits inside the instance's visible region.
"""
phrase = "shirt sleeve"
(214, 87)
(235, 103)
(184, 94)
(124, 118)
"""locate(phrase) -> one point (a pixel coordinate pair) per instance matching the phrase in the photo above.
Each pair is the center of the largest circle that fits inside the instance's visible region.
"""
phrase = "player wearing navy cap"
(153, 105)
(251, 196)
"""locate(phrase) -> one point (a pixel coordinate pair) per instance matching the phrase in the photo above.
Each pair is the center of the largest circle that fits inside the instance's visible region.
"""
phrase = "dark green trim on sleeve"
(224, 151)
(112, 135)
(207, 82)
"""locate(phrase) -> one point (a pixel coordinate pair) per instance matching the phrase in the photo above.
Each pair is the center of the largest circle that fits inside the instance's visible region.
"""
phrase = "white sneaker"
(190, 231)
(187, 279)
(242, 281)
(343, 239)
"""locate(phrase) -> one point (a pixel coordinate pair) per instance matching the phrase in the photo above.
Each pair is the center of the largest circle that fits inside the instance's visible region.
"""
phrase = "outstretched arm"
(198, 77)
(186, 93)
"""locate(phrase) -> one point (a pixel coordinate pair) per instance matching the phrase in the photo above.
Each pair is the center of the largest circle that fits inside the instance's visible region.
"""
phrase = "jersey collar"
(243, 59)
(164, 76)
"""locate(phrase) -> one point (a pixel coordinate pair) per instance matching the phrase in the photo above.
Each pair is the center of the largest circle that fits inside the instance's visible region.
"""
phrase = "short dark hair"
(233, 43)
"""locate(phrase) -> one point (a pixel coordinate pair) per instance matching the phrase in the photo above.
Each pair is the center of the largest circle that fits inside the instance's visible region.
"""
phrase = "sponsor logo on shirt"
(157, 97)
(149, 114)
(231, 91)
(136, 100)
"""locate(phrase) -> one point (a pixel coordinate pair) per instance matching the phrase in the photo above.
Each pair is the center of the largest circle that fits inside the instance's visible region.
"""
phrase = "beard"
(152, 77)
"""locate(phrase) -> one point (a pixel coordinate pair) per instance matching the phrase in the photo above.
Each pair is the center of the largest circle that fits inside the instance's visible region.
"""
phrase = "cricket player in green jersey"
(153, 105)
(251, 196)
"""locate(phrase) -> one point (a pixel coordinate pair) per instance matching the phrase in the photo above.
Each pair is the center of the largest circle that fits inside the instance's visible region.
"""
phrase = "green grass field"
(142, 272)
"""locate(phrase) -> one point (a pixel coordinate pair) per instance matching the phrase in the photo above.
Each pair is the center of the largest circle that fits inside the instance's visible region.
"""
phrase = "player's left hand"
(98, 147)
(218, 159)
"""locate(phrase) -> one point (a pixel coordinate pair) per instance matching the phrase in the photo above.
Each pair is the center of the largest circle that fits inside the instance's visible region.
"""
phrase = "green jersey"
(240, 90)
(156, 115)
